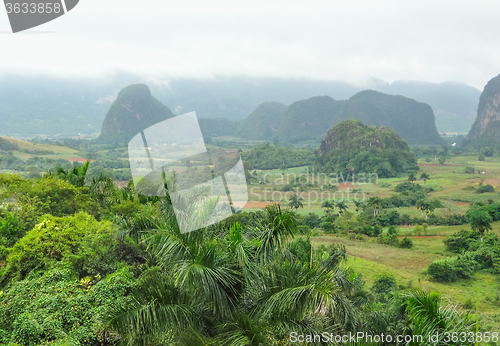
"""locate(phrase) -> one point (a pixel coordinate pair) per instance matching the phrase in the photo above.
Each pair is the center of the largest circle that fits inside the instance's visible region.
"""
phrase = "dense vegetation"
(352, 147)
(84, 262)
(272, 156)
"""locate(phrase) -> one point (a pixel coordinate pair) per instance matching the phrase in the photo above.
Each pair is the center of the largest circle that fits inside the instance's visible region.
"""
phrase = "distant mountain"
(486, 128)
(354, 148)
(133, 111)
(263, 122)
(412, 120)
(52, 106)
(217, 127)
(310, 119)
(454, 104)
(63, 107)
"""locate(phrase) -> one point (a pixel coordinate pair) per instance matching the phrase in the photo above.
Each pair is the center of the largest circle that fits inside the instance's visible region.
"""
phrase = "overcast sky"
(330, 40)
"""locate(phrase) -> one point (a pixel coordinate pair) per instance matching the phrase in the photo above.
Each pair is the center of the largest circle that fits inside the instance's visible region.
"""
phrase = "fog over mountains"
(54, 106)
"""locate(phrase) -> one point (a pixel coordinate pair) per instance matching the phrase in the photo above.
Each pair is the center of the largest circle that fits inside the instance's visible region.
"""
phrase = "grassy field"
(451, 185)
(409, 265)
(59, 151)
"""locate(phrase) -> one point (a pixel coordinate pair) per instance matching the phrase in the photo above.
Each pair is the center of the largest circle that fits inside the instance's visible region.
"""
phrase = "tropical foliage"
(352, 147)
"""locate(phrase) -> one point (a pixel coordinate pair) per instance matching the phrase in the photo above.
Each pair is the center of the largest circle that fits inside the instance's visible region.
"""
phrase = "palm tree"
(103, 189)
(429, 318)
(296, 202)
(479, 220)
(428, 208)
(358, 204)
(424, 176)
(328, 205)
(421, 204)
(237, 286)
(341, 206)
(75, 176)
(411, 177)
(375, 203)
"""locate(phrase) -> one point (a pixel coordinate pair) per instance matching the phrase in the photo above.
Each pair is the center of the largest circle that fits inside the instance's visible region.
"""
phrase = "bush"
(487, 151)
(481, 158)
(485, 188)
(79, 240)
(328, 227)
(385, 283)
(54, 307)
(312, 220)
(442, 270)
(405, 243)
(460, 242)
(451, 269)
(465, 266)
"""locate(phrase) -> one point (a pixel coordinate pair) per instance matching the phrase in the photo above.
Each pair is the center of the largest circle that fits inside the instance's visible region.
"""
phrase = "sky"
(327, 40)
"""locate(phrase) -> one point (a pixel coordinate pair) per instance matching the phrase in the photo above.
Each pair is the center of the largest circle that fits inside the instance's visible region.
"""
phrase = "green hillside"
(17, 145)
(310, 119)
(352, 147)
(486, 130)
(134, 110)
(217, 127)
(263, 123)
(412, 120)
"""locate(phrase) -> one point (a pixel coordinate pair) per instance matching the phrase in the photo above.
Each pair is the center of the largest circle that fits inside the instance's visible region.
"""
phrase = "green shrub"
(406, 243)
(10, 230)
(442, 270)
(460, 242)
(384, 283)
(53, 307)
(485, 188)
(487, 151)
(451, 269)
(465, 266)
(78, 240)
(328, 227)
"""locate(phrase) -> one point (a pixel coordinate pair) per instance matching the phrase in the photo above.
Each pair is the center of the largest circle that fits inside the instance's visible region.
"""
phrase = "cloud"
(391, 40)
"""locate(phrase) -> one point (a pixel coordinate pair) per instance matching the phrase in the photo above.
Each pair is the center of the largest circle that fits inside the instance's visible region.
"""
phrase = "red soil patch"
(257, 204)
(462, 203)
(494, 181)
(344, 186)
(423, 236)
(77, 159)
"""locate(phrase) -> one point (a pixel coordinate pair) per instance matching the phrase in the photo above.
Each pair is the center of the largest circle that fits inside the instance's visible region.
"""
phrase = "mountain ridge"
(488, 109)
